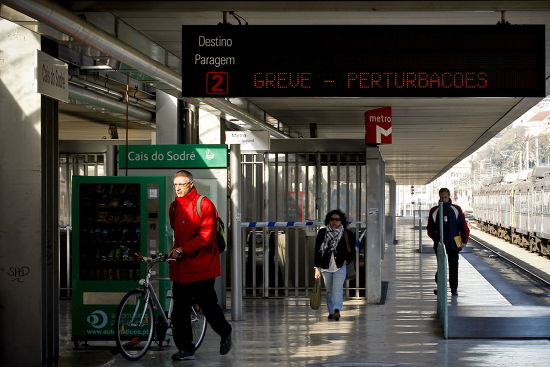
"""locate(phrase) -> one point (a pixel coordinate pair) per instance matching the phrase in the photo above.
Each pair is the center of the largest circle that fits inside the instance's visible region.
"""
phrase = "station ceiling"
(430, 135)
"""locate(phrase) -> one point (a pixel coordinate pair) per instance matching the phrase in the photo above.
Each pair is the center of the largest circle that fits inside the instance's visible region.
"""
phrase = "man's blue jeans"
(334, 284)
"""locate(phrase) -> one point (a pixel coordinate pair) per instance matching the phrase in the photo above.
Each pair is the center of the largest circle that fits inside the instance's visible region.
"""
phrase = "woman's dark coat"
(342, 254)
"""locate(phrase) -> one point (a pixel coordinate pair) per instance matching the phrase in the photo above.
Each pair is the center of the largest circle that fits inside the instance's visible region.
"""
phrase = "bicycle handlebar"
(154, 258)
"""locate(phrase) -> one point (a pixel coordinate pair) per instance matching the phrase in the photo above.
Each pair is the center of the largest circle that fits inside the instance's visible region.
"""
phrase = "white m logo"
(380, 131)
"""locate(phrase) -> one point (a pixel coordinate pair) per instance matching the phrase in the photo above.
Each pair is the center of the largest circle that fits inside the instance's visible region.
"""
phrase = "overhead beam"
(63, 20)
(329, 6)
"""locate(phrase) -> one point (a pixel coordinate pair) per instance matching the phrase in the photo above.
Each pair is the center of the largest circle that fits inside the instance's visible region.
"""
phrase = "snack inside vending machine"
(113, 218)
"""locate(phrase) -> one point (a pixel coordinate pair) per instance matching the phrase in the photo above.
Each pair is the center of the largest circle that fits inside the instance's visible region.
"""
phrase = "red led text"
(282, 80)
(430, 80)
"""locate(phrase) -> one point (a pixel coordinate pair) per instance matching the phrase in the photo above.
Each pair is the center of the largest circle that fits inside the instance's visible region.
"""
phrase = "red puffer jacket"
(196, 237)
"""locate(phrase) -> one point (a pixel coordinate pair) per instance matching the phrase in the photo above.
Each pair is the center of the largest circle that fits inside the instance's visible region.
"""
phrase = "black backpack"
(220, 228)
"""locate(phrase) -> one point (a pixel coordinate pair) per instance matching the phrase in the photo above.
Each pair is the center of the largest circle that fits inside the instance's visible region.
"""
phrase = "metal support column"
(236, 256)
(286, 261)
(393, 211)
(296, 218)
(191, 123)
(419, 232)
(265, 230)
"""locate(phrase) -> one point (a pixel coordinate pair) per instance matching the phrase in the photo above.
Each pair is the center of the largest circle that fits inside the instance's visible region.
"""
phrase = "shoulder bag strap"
(199, 212)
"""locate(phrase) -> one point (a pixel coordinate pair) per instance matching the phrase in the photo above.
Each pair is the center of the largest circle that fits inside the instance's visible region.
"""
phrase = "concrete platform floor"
(286, 332)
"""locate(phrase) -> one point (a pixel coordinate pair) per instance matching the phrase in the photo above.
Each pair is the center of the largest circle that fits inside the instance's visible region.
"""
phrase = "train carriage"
(505, 202)
(540, 216)
(520, 213)
(517, 210)
(545, 232)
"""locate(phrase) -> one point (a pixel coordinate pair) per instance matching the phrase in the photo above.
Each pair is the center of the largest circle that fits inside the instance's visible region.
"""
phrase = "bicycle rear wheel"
(198, 326)
(134, 325)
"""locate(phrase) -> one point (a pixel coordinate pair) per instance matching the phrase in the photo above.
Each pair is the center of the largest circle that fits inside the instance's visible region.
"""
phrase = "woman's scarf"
(332, 237)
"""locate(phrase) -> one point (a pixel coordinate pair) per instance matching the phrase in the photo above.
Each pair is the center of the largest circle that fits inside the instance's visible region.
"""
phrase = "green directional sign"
(173, 156)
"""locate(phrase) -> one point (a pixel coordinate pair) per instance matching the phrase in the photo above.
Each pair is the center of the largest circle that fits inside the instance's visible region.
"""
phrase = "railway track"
(524, 267)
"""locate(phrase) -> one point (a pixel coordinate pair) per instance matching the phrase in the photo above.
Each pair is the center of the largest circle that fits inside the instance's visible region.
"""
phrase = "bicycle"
(135, 326)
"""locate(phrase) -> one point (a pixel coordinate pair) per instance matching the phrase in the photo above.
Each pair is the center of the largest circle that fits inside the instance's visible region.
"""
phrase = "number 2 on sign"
(217, 82)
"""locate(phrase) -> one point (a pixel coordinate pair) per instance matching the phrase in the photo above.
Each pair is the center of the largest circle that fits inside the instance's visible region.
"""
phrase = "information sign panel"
(362, 61)
(173, 156)
(52, 76)
(249, 140)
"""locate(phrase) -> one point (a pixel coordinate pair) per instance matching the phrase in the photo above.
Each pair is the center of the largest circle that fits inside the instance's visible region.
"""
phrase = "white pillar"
(210, 128)
(375, 222)
(167, 119)
(21, 243)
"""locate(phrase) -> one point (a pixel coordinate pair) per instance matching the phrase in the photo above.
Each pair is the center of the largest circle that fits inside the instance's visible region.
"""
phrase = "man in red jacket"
(196, 267)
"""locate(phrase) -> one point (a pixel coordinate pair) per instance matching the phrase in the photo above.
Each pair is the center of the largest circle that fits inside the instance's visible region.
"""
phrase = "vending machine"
(113, 217)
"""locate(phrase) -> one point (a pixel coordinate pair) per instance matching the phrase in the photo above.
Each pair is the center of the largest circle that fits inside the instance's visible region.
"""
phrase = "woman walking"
(334, 249)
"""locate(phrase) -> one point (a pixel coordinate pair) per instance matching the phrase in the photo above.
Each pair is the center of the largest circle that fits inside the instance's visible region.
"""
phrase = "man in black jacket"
(454, 225)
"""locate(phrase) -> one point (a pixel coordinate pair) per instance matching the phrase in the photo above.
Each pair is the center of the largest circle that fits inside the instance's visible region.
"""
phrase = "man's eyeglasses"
(335, 219)
(176, 185)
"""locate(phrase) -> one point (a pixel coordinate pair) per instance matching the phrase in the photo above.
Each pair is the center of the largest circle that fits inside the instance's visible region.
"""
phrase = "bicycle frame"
(151, 294)
(134, 348)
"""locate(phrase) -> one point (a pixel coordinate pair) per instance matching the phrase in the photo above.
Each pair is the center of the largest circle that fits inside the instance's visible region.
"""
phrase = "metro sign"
(378, 129)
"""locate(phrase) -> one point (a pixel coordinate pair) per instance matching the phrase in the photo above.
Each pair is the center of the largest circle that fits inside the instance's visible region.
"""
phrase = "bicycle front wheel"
(134, 325)
(198, 325)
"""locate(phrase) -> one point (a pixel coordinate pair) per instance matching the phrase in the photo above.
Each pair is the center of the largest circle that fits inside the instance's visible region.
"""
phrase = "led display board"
(363, 61)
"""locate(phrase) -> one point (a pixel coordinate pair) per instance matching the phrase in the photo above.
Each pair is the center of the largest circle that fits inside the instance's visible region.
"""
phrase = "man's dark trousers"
(452, 260)
(203, 294)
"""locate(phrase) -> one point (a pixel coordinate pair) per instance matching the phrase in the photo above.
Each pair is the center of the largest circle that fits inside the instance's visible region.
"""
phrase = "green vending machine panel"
(113, 217)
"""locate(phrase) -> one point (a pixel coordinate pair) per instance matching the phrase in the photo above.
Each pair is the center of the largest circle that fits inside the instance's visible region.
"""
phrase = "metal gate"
(285, 197)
